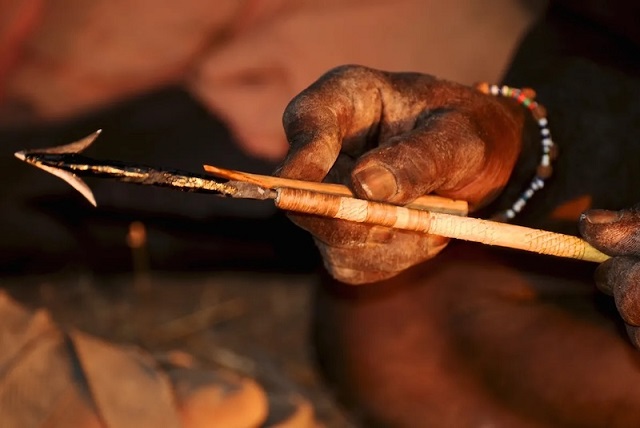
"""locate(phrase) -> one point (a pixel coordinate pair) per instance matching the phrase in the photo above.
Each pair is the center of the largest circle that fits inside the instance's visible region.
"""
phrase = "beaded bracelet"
(526, 97)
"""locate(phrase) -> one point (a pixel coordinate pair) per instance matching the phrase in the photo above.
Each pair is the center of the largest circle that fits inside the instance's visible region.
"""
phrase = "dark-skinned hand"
(617, 233)
(393, 137)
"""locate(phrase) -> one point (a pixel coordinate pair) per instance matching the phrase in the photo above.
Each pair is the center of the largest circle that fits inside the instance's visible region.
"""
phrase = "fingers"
(616, 233)
(334, 114)
(447, 153)
(372, 259)
(620, 277)
(355, 253)
(352, 109)
(419, 134)
(443, 152)
(315, 139)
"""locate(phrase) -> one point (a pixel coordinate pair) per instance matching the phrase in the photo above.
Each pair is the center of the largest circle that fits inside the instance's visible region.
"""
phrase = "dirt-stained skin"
(393, 137)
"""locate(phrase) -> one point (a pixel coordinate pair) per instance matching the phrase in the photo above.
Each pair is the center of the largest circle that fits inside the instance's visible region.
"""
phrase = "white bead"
(547, 144)
(519, 204)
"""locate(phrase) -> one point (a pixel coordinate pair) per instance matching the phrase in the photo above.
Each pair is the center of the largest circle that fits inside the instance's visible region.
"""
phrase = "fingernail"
(377, 182)
(602, 216)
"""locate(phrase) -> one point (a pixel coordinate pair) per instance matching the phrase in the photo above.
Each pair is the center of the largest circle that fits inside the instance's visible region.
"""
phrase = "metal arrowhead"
(29, 156)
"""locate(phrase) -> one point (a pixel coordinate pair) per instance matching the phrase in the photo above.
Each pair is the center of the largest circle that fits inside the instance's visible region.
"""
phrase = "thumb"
(616, 233)
(444, 154)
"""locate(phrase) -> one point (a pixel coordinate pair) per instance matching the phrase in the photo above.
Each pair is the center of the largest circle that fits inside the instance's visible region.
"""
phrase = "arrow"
(67, 163)
(321, 199)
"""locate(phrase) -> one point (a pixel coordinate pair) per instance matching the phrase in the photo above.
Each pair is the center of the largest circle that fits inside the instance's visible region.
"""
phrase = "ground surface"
(236, 308)
(254, 323)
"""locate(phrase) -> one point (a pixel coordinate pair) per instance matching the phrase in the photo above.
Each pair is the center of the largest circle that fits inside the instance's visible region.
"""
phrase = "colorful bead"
(529, 93)
(483, 87)
(544, 171)
(525, 97)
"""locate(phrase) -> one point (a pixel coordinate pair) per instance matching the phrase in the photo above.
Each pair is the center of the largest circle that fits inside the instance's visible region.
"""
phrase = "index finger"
(333, 115)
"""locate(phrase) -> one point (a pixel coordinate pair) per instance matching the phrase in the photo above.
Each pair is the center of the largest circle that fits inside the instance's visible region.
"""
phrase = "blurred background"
(181, 86)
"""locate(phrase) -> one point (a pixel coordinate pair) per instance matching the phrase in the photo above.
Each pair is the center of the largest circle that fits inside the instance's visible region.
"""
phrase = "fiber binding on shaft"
(447, 225)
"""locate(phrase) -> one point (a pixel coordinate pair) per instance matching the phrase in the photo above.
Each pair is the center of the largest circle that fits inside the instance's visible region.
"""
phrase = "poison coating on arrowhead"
(72, 179)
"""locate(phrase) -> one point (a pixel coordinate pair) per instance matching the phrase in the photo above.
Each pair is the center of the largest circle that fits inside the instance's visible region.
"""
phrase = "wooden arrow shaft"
(447, 225)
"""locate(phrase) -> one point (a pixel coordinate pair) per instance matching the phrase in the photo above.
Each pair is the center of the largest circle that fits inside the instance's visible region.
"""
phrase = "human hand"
(393, 137)
(617, 233)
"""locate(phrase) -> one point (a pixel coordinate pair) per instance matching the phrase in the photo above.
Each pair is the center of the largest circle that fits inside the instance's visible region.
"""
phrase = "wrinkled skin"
(473, 337)
(393, 137)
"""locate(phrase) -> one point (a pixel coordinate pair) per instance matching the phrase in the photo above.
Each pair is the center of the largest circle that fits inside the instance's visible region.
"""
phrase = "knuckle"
(347, 71)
